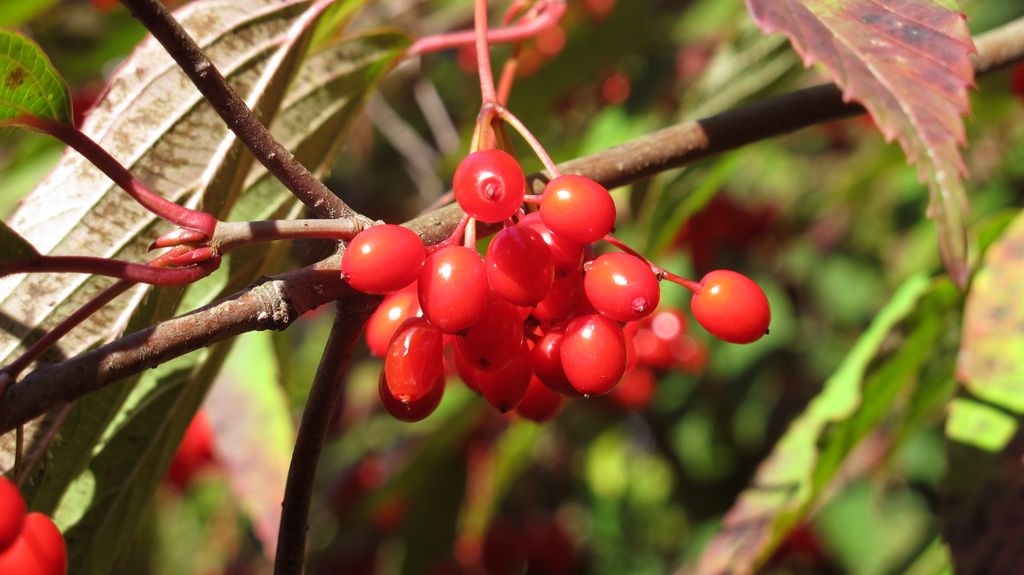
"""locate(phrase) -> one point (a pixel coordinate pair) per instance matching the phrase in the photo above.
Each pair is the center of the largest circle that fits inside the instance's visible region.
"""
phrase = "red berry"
(540, 403)
(563, 298)
(395, 309)
(657, 337)
(547, 363)
(495, 340)
(38, 550)
(622, 287)
(577, 208)
(489, 185)
(503, 387)
(731, 307)
(635, 390)
(383, 259)
(414, 363)
(519, 265)
(453, 288)
(593, 354)
(194, 452)
(690, 355)
(12, 512)
(412, 411)
(565, 253)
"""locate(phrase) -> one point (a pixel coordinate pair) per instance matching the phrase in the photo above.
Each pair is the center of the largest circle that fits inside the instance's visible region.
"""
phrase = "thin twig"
(316, 417)
(235, 113)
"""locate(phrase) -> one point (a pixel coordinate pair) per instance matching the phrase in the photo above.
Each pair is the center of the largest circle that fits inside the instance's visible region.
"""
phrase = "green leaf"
(17, 12)
(909, 64)
(807, 457)
(29, 84)
(991, 364)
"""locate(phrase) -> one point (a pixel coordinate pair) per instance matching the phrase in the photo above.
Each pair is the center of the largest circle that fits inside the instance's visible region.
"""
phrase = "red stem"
(11, 371)
(661, 272)
(550, 15)
(95, 153)
(133, 272)
(483, 52)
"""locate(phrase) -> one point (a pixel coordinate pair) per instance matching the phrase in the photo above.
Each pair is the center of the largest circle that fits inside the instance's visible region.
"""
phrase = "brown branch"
(276, 303)
(320, 407)
(235, 113)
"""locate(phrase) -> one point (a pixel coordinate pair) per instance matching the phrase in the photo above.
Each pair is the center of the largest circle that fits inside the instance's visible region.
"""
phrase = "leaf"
(991, 361)
(327, 94)
(811, 451)
(908, 62)
(17, 12)
(29, 84)
(982, 501)
(254, 433)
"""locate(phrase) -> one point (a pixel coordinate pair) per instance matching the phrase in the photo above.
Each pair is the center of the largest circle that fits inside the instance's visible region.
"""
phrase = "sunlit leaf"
(29, 84)
(908, 62)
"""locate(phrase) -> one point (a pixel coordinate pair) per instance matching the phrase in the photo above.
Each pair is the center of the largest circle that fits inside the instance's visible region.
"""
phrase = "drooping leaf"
(29, 84)
(812, 450)
(908, 62)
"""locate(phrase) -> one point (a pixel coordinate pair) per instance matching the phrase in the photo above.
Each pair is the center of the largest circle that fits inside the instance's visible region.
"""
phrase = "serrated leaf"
(29, 84)
(908, 62)
(812, 450)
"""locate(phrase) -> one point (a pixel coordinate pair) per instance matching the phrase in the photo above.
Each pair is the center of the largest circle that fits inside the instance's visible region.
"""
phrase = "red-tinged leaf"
(908, 63)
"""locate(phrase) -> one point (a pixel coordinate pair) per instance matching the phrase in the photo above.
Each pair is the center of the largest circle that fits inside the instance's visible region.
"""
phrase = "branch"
(277, 302)
(235, 113)
(316, 418)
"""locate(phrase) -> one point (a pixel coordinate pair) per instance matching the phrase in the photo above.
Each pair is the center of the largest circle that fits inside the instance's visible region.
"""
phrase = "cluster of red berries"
(539, 316)
(30, 544)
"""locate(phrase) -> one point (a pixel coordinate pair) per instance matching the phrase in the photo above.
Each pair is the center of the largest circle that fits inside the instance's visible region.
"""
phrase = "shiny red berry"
(578, 209)
(540, 403)
(562, 299)
(453, 288)
(414, 363)
(503, 387)
(383, 259)
(395, 309)
(413, 410)
(12, 512)
(593, 354)
(545, 355)
(566, 254)
(496, 338)
(519, 267)
(731, 307)
(489, 185)
(38, 550)
(622, 287)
